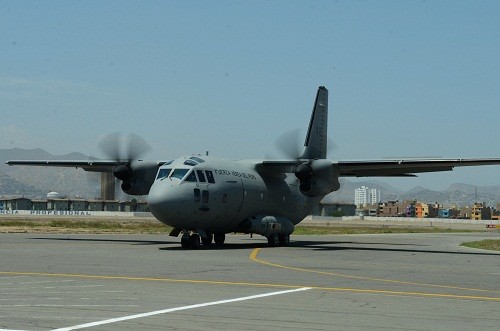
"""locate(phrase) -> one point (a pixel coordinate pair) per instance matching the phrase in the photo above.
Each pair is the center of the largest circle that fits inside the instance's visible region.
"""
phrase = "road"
(147, 282)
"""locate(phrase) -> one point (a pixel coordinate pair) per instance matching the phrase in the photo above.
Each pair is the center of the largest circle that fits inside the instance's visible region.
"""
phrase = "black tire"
(185, 242)
(219, 238)
(194, 241)
(273, 240)
(284, 239)
(207, 241)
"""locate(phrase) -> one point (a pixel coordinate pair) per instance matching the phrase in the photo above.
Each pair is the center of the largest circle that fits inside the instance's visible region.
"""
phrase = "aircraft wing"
(381, 168)
(403, 168)
(87, 165)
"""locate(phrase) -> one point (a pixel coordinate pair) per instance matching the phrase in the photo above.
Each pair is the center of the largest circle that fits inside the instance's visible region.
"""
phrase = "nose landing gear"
(191, 240)
(276, 239)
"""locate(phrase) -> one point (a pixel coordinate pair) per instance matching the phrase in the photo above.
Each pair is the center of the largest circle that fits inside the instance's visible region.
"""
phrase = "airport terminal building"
(9, 204)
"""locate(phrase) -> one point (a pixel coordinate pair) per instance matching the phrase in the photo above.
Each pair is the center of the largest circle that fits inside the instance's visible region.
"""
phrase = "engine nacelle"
(318, 178)
(136, 177)
(267, 225)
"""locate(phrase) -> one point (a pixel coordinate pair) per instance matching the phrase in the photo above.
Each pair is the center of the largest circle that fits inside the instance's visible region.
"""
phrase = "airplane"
(204, 197)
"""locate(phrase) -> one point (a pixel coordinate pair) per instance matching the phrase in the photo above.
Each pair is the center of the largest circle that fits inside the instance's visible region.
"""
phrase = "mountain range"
(36, 182)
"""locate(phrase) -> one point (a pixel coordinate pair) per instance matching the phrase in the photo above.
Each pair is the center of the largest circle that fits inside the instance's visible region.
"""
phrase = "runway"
(147, 282)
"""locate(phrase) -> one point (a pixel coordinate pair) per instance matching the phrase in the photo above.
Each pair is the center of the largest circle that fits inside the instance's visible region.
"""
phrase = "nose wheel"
(190, 241)
(194, 240)
(276, 239)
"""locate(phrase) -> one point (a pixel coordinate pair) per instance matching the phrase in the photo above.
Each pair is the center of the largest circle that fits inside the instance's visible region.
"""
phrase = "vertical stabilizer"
(316, 139)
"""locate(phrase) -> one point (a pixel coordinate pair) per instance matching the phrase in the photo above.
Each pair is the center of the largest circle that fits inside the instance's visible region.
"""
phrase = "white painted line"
(170, 310)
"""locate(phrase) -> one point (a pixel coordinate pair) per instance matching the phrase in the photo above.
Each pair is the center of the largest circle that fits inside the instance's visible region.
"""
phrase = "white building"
(365, 195)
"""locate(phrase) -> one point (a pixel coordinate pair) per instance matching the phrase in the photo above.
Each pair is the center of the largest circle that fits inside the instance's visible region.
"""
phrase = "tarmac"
(345, 282)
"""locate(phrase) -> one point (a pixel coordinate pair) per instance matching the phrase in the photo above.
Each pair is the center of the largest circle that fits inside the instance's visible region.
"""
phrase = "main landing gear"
(280, 239)
(195, 240)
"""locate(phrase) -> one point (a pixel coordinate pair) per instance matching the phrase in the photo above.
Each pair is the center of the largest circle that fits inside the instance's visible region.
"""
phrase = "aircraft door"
(231, 200)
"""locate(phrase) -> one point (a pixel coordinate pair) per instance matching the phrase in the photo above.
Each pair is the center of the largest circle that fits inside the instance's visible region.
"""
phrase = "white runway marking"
(170, 310)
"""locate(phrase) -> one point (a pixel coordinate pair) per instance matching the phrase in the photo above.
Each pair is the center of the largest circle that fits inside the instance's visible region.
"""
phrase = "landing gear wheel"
(194, 241)
(207, 241)
(219, 238)
(284, 239)
(185, 243)
(273, 240)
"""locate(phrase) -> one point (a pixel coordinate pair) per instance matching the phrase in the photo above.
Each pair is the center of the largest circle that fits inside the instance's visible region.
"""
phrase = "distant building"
(9, 204)
(365, 195)
(480, 212)
(392, 209)
(424, 210)
(53, 195)
(448, 213)
(16, 204)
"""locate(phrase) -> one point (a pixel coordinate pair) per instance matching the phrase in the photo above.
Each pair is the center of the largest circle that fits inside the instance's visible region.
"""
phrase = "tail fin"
(316, 139)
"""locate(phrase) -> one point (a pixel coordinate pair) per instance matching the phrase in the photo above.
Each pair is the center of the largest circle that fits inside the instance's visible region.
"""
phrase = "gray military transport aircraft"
(204, 197)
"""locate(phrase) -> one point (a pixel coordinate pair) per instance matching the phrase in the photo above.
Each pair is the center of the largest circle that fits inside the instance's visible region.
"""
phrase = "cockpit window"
(179, 173)
(210, 176)
(163, 173)
(197, 159)
(191, 177)
(201, 176)
(190, 163)
(168, 162)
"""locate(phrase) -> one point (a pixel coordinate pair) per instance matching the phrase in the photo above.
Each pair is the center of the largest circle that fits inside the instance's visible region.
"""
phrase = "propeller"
(124, 149)
(307, 172)
(290, 145)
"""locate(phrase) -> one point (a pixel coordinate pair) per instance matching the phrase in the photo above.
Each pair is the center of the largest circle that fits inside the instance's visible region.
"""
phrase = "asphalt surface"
(147, 282)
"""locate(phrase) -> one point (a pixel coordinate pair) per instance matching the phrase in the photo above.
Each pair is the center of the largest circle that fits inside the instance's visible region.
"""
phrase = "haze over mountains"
(36, 182)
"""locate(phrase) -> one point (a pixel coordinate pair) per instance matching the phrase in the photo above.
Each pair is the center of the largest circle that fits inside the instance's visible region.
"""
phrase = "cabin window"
(201, 176)
(204, 196)
(210, 176)
(197, 195)
(224, 198)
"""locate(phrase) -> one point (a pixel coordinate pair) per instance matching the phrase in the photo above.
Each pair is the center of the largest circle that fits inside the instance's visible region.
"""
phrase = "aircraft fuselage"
(220, 195)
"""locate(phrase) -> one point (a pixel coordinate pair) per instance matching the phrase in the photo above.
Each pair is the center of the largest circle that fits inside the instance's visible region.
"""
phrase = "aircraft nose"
(159, 198)
(167, 201)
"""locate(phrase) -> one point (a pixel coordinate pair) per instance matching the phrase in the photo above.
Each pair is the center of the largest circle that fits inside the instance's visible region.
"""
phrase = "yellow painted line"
(255, 252)
(403, 293)
(191, 281)
(149, 279)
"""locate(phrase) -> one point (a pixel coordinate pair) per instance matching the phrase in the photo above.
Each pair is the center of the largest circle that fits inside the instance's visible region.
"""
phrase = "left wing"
(380, 168)
(403, 168)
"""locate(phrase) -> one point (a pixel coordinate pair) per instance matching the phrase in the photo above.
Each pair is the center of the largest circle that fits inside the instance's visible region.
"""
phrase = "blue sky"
(406, 78)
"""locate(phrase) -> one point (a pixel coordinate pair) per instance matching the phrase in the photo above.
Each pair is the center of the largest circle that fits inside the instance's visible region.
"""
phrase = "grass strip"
(87, 226)
(490, 244)
(383, 229)
(156, 227)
